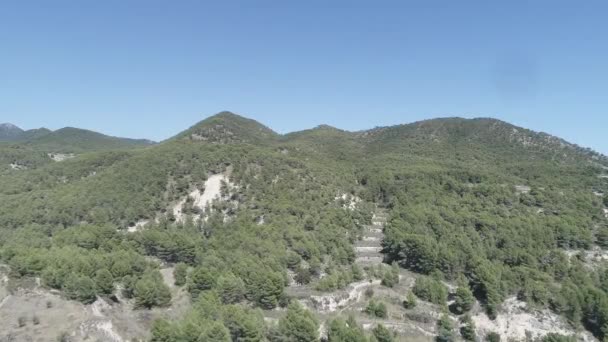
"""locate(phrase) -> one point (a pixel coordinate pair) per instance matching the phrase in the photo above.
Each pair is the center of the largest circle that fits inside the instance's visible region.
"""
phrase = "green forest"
(496, 210)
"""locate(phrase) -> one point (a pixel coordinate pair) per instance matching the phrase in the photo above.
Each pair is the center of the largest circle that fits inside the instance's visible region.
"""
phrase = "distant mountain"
(33, 134)
(67, 139)
(71, 139)
(462, 136)
(9, 132)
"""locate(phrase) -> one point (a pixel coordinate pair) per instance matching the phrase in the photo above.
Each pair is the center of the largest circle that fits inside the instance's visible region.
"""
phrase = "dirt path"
(395, 325)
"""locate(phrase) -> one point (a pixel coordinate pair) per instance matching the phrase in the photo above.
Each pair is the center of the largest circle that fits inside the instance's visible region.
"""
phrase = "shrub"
(410, 301)
(430, 290)
(21, 322)
(555, 337)
(464, 300)
(444, 330)
(81, 288)
(376, 309)
(63, 337)
(151, 291)
(467, 329)
(390, 278)
(180, 274)
(382, 334)
(493, 337)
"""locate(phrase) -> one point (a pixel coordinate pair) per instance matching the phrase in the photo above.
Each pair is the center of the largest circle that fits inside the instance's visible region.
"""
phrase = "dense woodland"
(496, 210)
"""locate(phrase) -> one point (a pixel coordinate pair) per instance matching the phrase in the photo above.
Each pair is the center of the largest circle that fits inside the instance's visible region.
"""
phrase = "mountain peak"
(327, 128)
(228, 114)
(8, 125)
(227, 127)
(9, 132)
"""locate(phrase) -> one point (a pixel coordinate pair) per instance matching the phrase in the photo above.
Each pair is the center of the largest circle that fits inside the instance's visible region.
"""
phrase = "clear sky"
(149, 69)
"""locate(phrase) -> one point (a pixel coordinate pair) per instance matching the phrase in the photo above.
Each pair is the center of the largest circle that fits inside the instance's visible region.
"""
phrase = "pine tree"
(81, 288)
(357, 272)
(349, 331)
(410, 301)
(180, 274)
(303, 275)
(467, 329)
(244, 324)
(231, 288)
(492, 337)
(201, 279)
(104, 281)
(464, 300)
(162, 331)
(151, 291)
(216, 332)
(299, 325)
(377, 309)
(382, 334)
(444, 330)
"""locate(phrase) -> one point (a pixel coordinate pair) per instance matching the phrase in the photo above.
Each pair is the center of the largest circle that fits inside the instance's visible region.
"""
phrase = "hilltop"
(9, 132)
(227, 127)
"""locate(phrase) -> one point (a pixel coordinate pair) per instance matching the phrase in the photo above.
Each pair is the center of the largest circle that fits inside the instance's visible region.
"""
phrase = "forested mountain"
(227, 127)
(71, 139)
(66, 140)
(9, 132)
(31, 134)
(491, 209)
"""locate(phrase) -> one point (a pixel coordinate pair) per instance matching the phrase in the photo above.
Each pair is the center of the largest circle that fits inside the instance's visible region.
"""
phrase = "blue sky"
(149, 69)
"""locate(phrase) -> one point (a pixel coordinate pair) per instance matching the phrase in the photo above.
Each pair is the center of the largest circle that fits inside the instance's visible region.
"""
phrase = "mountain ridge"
(66, 139)
(228, 127)
(471, 130)
(251, 217)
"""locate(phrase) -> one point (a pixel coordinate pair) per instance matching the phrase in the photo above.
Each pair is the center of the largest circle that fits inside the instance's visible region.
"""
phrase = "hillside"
(65, 140)
(503, 139)
(417, 231)
(80, 140)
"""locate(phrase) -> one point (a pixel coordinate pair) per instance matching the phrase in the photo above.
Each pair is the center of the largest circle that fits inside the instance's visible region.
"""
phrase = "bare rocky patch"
(518, 322)
(334, 301)
(18, 167)
(348, 201)
(137, 226)
(202, 200)
(59, 157)
(33, 313)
